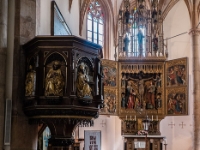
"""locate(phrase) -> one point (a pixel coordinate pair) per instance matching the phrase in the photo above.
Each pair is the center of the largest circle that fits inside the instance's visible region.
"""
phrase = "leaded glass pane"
(95, 23)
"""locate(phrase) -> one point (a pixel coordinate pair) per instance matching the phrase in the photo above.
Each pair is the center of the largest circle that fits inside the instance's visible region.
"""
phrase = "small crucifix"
(182, 125)
(103, 123)
(171, 125)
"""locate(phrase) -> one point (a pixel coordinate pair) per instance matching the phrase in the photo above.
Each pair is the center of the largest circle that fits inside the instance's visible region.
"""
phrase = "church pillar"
(23, 135)
(3, 48)
(196, 83)
(196, 74)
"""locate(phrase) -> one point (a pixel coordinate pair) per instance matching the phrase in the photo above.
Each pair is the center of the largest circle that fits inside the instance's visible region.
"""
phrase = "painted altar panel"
(176, 77)
(110, 82)
(110, 103)
(176, 72)
(177, 101)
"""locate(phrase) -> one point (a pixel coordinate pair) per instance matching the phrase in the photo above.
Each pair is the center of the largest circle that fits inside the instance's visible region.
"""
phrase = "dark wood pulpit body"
(63, 85)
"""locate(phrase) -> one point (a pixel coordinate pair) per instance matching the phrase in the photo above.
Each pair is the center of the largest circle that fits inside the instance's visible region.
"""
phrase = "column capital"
(194, 31)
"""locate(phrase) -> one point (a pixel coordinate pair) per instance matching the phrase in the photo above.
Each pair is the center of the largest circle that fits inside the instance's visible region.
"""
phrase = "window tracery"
(95, 23)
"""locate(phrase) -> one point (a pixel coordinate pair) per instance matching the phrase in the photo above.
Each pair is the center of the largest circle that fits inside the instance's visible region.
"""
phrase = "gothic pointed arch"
(108, 15)
(70, 4)
(189, 7)
(165, 8)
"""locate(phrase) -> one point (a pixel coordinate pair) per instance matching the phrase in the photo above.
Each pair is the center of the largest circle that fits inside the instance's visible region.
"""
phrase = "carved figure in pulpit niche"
(30, 82)
(54, 81)
(82, 86)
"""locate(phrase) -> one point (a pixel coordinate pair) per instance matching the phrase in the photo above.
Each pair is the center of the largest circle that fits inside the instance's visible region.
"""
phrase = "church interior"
(99, 75)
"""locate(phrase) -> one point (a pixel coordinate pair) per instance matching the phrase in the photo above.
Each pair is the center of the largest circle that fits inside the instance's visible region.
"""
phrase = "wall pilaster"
(24, 135)
(3, 48)
(196, 82)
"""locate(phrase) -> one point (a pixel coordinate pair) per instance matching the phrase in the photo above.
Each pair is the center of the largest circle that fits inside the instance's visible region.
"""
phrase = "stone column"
(196, 83)
(3, 48)
(23, 136)
(196, 76)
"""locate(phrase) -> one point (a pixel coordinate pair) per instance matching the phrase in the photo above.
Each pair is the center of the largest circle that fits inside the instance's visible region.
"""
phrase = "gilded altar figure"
(151, 94)
(54, 81)
(30, 82)
(82, 86)
(141, 86)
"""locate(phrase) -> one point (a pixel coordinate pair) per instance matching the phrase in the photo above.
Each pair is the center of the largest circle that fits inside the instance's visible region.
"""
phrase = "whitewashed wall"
(71, 18)
(110, 131)
(176, 22)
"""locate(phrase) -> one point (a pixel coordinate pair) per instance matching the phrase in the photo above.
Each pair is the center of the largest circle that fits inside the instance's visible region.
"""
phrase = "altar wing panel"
(110, 82)
(176, 87)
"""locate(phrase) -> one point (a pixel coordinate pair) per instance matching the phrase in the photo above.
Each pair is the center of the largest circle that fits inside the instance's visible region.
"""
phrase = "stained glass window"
(95, 23)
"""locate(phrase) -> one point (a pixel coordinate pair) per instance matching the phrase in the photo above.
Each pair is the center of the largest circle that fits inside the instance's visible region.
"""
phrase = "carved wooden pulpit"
(63, 85)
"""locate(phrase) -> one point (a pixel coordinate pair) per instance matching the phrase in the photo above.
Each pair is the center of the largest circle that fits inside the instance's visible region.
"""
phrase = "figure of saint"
(154, 16)
(178, 103)
(54, 81)
(183, 75)
(179, 75)
(105, 76)
(151, 94)
(82, 86)
(126, 16)
(144, 105)
(182, 103)
(158, 81)
(30, 82)
(123, 81)
(131, 100)
(126, 21)
(172, 76)
(123, 101)
(140, 37)
(113, 81)
(126, 43)
(137, 103)
(155, 43)
(112, 104)
(172, 104)
(158, 101)
(105, 104)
